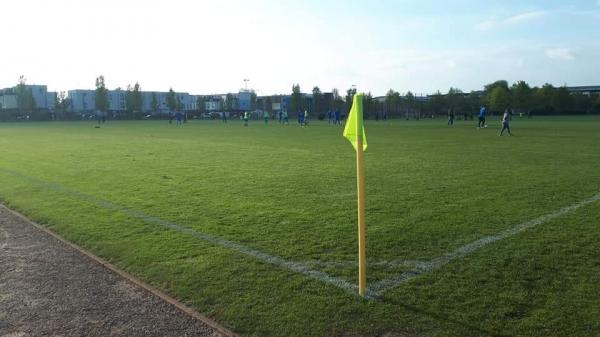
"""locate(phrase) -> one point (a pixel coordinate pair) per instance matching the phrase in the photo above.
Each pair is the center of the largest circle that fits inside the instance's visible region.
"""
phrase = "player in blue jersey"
(482, 112)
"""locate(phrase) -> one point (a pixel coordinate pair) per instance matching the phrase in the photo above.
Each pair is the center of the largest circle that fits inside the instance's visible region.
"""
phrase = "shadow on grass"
(442, 317)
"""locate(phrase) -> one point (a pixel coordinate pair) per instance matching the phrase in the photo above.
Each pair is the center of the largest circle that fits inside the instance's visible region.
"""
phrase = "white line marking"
(374, 291)
(275, 260)
(382, 286)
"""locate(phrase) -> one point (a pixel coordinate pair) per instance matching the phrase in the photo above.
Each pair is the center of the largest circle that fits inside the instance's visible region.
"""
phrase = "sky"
(206, 47)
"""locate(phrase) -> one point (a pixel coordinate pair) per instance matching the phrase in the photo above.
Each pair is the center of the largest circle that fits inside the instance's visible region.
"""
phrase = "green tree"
(473, 102)
(461, 104)
(200, 106)
(229, 102)
(129, 100)
(436, 103)
(316, 100)
(410, 104)
(296, 99)
(56, 101)
(138, 102)
(392, 102)
(253, 99)
(410, 100)
(269, 104)
(500, 83)
(25, 99)
(455, 98)
(488, 88)
(581, 103)
(331, 101)
(179, 105)
(562, 100)
(368, 104)
(596, 104)
(336, 100)
(350, 97)
(62, 104)
(171, 100)
(499, 99)
(133, 100)
(101, 94)
(542, 98)
(521, 96)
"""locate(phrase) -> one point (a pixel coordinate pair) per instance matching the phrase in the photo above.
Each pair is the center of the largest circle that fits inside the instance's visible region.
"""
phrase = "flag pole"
(355, 133)
(360, 186)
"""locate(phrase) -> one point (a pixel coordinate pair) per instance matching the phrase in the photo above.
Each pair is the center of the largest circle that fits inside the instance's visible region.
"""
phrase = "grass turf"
(290, 192)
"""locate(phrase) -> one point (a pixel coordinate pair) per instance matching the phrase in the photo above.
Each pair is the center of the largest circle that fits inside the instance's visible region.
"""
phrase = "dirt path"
(48, 288)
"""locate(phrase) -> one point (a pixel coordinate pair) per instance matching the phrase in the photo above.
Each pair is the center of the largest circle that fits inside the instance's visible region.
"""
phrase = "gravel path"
(48, 288)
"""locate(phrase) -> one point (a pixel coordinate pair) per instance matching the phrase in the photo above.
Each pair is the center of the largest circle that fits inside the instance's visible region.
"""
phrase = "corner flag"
(354, 125)
(355, 132)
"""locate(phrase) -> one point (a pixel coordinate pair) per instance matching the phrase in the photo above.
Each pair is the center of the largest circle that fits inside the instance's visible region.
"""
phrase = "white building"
(116, 100)
(161, 101)
(8, 99)
(214, 102)
(43, 98)
(82, 100)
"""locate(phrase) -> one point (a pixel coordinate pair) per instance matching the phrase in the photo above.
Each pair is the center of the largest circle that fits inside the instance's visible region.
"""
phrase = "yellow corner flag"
(354, 125)
(355, 132)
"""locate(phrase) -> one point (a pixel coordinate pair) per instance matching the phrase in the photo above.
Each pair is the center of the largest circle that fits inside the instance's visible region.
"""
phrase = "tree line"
(497, 96)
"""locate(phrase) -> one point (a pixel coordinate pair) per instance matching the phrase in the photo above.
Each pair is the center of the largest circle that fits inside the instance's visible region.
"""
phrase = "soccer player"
(246, 116)
(451, 115)
(224, 117)
(286, 119)
(506, 121)
(266, 117)
(337, 117)
(179, 117)
(482, 112)
(305, 118)
(329, 117)
(98, 116)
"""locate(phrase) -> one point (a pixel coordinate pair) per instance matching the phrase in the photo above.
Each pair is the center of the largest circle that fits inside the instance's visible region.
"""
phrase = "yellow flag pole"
(355, 133)
(360, 185)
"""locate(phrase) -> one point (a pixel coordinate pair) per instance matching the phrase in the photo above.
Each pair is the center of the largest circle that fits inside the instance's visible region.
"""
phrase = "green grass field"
(244, 224)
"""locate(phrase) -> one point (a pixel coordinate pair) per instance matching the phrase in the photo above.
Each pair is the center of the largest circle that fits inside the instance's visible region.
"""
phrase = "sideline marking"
(271, 259)
(376, 290)
(381, 287)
